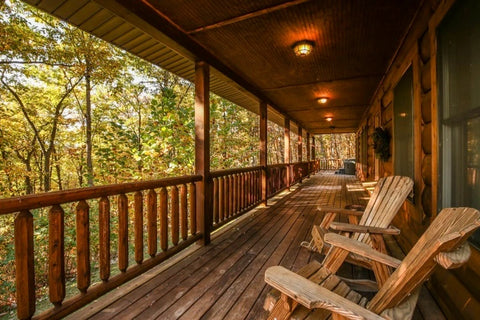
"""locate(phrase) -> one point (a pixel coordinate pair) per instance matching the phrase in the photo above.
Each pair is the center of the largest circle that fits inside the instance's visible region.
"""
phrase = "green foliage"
(381, 143)
(142, 127)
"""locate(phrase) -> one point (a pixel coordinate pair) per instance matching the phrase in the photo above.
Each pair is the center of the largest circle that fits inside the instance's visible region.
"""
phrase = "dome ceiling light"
(303, 48)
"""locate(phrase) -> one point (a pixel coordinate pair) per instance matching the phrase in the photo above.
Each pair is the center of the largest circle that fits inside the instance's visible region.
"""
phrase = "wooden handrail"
(41, 200)
(226, 172)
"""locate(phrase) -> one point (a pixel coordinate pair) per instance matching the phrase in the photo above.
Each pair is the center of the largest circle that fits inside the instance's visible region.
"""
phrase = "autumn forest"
(76, 111)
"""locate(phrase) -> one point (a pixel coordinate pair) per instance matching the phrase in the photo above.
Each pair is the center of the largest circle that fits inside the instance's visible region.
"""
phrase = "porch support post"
(300, 144)
(308, 154)
(263, 149)
(313, 148)
(202, 149)
(287, 151)
(308, 146)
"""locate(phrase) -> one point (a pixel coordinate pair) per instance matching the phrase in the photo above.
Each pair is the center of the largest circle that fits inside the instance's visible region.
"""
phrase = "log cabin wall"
(457, 291)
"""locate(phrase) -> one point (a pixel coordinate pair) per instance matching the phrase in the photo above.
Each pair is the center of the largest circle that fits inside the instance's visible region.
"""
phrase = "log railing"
(165, 208)
(281, 176)
(277, 178)
(235, 191)
(156, 219)
(330, 164)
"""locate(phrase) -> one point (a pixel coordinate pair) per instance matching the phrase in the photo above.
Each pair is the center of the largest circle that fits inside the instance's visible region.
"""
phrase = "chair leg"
(283, 309)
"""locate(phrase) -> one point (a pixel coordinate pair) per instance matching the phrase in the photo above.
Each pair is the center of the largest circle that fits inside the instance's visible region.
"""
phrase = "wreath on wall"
(381, 143)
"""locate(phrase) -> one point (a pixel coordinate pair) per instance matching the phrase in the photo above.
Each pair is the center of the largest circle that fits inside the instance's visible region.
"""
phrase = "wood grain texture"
(192, 210)
(56, 253)
(122, 205)
(104, 237)
(24, 265)
(163, 214)
(174, 215)
(138, 225)
(83, 246)
(152, 222)
(183, 212)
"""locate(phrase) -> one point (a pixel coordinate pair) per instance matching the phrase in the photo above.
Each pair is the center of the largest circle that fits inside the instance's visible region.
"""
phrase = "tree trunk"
(47, 174)
(58, 171)
(88, 125)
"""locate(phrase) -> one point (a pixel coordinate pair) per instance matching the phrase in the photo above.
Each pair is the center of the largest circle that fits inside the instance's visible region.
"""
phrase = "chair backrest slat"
(387, 198)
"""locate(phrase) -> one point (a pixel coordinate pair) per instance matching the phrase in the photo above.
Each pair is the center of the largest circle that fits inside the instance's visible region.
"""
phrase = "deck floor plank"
(225, 279)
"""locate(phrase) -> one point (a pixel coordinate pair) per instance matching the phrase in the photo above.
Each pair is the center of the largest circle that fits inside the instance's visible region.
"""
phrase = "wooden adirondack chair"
(387, 198)
(323, 293)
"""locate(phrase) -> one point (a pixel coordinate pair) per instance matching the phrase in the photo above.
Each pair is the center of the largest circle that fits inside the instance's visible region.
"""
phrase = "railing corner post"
(202, 149)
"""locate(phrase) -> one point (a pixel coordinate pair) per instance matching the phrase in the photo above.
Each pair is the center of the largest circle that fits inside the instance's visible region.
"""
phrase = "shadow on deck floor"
(225, 279)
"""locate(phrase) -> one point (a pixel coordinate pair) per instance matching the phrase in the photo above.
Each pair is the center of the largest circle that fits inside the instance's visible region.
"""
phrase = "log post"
(263, 150)
(300, 152)
(202, 149)
(24, 265)
(313, 148)
(138, 199)
(122, 232)
(308, 154)
(83, 246)
(299, 145)
(286, 151)
(104, 237)
(308, 146)
(56, 253)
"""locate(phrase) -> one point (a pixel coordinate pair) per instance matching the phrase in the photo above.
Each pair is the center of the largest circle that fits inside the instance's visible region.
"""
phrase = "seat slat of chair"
(347, 227)
(360, 248)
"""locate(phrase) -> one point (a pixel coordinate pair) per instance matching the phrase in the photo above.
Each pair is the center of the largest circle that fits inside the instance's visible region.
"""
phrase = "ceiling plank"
(247, 16)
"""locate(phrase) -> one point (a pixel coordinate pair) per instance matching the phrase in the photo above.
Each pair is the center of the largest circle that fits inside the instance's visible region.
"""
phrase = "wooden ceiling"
(249, 46)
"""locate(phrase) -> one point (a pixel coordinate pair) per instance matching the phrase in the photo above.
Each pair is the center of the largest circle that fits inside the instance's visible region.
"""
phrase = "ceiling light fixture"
(328, 119)
(303, 48)
(322, 100)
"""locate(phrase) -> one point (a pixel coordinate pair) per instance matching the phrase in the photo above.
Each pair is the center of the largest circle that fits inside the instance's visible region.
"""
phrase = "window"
(459, 107)
(403, 126)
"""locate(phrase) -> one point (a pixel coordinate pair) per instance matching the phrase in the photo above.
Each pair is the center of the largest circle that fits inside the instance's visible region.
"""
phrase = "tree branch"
(37, 62)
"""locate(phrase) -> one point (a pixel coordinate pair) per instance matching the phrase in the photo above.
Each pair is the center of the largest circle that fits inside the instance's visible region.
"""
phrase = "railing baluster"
(232, 190)
(83, 246)
(24, 265)
(174, 215)
(138, 204)
(227, 197)
(56, 267)
(104, 237)
(163, 219)
(249, 182)
(122, 232)
(193, 208)
(183, 211)
(215, 199)
(239, 190)
(224, 199)
(152, 222)
(235, 192)
(242, 179)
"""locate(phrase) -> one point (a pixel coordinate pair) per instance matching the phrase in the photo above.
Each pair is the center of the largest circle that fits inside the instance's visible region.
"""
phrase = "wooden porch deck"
(225, 279)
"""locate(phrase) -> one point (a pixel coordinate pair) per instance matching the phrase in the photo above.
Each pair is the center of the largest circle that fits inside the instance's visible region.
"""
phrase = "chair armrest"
(360, 248)
(347, 227)
(314, 296)
(341, 211)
